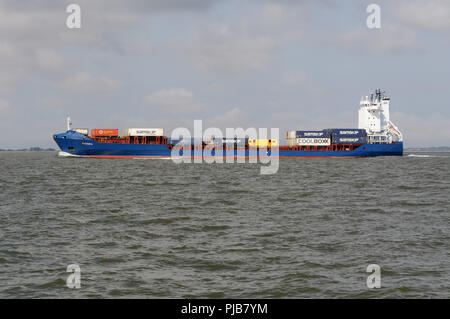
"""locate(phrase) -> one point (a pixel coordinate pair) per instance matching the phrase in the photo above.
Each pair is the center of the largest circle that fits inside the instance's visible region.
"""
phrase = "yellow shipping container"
(262, 142)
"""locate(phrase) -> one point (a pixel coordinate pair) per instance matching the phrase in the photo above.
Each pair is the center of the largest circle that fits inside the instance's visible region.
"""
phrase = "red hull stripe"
(196, 157)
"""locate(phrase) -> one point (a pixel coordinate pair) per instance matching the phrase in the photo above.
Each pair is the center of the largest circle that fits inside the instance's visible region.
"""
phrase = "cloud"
(174, 101)
(32, 35)
(17, 62)
(5, 109)
(49, 60)
(53, 103)
(12, 64)
(431, 14)
(427, 130)
(234, 47)
(84, 82)
(32, 32)
(230, 54)
(390, 38)
(149, 6)
(232, 118)
(294, 78)
(136, 6)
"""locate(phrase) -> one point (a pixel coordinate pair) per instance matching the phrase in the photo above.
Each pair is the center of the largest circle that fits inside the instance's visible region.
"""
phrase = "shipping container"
(84, 131)
(291, 134)
(318, 141)
(186, 141)
(312, 134)
(145, 132)
(291, 141)
(105, 132)
(346, 132)
(262, 142)
(230, 140)
(350, 140)
(235, 140)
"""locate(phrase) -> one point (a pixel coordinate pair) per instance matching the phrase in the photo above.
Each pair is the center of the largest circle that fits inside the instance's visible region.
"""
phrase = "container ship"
(376, 135)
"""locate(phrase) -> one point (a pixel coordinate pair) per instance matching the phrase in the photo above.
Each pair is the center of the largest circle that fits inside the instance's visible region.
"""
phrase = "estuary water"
(156, 229)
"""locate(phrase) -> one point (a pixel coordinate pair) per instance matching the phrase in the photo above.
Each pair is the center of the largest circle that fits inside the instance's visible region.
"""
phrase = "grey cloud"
(294, 78)
(33, 32)
(331, 3)
(137, 6)
(232, 118)
(430, 15)
(231, 55)
(418, 129)
(234, 47)
(84, 82)
(174, 101)
(390, 38)
(5, 109)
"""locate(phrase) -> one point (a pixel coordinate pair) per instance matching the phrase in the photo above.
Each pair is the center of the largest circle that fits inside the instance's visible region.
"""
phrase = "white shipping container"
(320, 141)
(84, 131)
(291, 141)
(291, 134)
(145, 132)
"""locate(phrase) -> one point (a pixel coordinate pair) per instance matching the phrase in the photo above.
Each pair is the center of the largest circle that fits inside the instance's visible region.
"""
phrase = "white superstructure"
(373, 116)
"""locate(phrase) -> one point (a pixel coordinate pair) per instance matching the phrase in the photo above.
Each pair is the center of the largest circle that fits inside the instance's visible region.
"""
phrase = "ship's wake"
(423, 156)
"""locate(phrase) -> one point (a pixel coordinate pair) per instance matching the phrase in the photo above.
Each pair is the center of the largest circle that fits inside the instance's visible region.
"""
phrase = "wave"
(425, 156)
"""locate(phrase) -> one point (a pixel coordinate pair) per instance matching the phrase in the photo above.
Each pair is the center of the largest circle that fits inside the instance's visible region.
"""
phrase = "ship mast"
(68, 123)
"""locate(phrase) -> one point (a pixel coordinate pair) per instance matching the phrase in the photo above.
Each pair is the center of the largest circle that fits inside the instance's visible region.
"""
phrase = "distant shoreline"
(30, 149)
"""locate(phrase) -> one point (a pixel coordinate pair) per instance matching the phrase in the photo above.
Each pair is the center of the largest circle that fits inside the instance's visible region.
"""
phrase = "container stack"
(347, 135)
(308, 138)
(326, 137)
(312, 134)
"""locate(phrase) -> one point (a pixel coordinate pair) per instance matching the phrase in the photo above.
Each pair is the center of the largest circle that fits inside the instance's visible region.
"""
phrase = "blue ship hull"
(76, 144)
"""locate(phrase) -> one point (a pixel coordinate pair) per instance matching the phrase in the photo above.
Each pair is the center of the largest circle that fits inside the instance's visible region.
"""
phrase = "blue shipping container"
(350, 140)
(347, 132)
(312, 134)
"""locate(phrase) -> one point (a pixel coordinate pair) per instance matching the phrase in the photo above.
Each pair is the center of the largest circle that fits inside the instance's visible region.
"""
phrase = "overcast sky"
(163, 63)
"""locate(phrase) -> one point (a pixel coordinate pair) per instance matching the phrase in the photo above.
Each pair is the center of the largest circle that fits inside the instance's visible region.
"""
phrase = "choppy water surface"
(155, 229)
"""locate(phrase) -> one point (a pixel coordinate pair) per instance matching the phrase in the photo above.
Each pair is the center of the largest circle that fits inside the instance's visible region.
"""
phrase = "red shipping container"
(105, 132)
